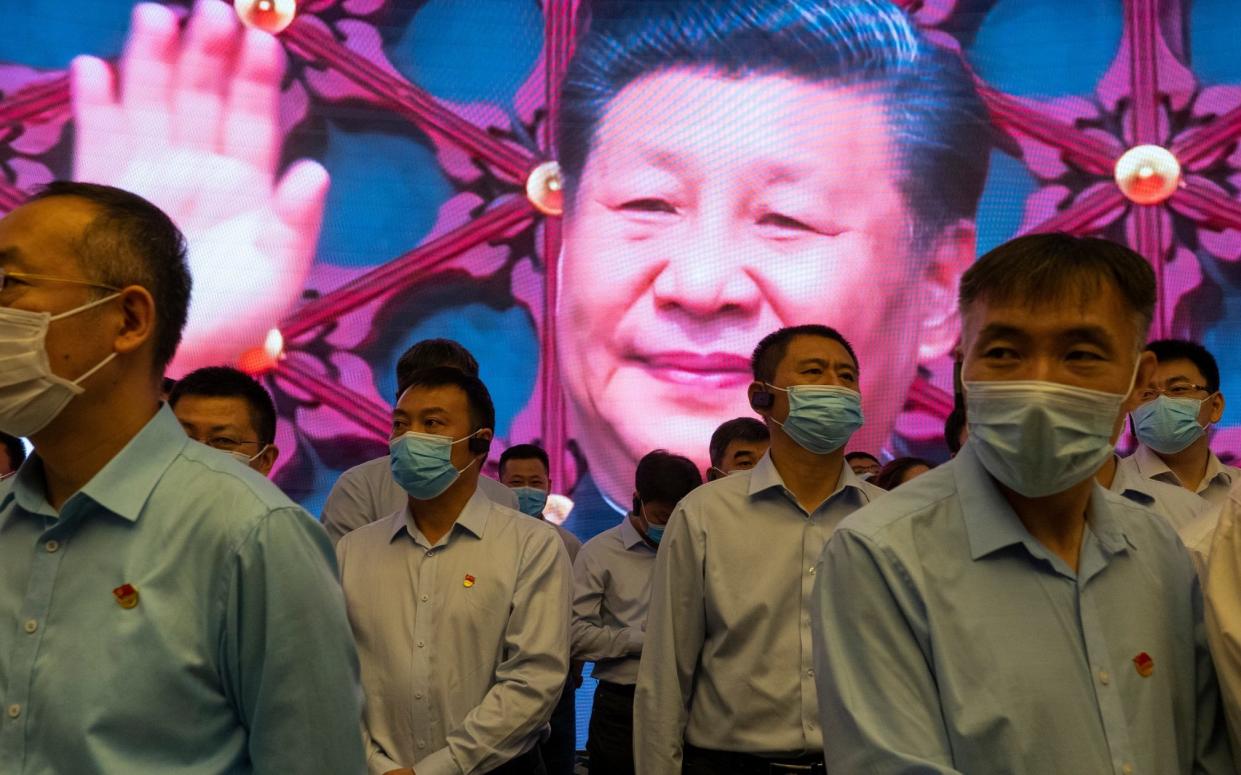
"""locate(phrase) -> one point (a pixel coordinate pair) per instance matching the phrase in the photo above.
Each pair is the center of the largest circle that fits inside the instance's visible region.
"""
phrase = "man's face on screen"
(712, 211)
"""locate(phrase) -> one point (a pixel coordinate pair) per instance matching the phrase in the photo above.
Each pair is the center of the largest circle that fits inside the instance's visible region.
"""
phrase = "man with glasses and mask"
(229, 410)
(1178, 406)
(726, 683)
(460, 606)
(155, 606)
(1005, 609)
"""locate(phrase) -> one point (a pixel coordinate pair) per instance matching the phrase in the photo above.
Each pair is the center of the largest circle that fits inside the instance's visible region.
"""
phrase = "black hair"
(429, 353)
(890, 476)
(772, 349)
(227, 382)
(1038, 269)
(938, 122)
(1185, 350)
(524, 452)
(736, 429)
(482, 411)
(953, 425)
(858, 454)
(133, 242)
(16, 450)
(663, 477)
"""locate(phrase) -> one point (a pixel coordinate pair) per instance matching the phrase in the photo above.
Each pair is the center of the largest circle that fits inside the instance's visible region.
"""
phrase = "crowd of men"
(1026, 607)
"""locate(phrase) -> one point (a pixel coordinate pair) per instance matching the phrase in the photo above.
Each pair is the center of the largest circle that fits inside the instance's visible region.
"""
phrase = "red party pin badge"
(126, 596)
(468, 581)
(1144, 664)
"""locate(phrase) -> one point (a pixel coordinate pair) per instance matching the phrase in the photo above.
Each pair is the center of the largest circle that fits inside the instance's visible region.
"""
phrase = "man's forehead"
(807, 347)
(214, 410)
(525, 466)
(447, 398)
(1178, 369)
(43, 233)
(1106, 315)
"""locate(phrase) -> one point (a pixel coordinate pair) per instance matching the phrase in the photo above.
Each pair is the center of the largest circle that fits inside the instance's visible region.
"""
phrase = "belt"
(615, 688)
(735, 761)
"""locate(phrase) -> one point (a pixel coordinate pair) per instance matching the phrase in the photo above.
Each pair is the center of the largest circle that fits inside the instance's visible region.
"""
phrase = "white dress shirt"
(1222, 590)
(611, 593)
(367, 492)
(1214, 487)
(1174, 503)
(727, 663)
(464, 645)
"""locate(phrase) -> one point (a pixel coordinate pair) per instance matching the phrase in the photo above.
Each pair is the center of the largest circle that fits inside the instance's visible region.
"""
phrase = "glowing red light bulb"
(270, 16)
(1147, 174)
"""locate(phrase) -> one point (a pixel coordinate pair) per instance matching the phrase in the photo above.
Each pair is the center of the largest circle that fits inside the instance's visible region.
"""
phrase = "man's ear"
(267, 461)
(761, 398)
(1146, 372)
(951, 255)
(137, 324)
(1217, 408)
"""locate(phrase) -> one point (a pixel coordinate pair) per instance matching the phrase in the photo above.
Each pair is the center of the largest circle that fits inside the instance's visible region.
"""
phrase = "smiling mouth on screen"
(708, 370)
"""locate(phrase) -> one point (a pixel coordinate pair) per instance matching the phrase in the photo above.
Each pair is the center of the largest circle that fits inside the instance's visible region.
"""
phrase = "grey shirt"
(464, 645)
(367, 492)
(1175, 504)
(611, 592)
(1214, 487)
(727, 663)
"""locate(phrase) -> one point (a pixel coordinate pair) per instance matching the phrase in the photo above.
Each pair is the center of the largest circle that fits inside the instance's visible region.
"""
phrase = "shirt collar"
(764, 476)
(473, 518)
(123, 485)
(629, 535)
(991, 524)
(1151, 466)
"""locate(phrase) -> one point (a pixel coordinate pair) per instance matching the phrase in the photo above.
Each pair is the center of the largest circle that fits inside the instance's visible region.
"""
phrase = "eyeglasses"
(1175, 390)
(11, 279)
(225, 444)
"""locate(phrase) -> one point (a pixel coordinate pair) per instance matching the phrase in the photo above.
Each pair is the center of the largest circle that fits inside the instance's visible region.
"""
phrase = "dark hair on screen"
(428, 353)
(773, 347)
(524, 452)
(893, 473)
(663, 477)
(1040, 268)
(746, 429)
(936, 117)
(227, 382)
(1185, 350)
(482, 411)
(16, 450)
(133, 242)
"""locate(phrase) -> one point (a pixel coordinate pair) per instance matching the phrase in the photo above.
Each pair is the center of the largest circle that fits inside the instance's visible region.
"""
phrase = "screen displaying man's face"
(713, 210)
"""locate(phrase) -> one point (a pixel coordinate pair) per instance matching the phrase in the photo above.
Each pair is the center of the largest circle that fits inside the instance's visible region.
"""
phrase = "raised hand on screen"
(190, 120)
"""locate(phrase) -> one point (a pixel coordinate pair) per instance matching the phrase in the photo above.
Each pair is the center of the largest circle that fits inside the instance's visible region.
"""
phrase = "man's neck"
(1190, 464)
(1107, 474)
(435, 517)
(810, 477)
(85, 437)
(1058, 521)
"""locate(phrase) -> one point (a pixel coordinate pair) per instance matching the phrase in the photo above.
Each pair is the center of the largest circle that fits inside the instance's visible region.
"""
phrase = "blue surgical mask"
(531, 500)
(821, 417)
(653, 532)
(422, 463)
(1169, 425)
(1040, 438)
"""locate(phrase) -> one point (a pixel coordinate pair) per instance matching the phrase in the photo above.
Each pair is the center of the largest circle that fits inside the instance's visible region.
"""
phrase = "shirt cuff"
(635, 639)
(438, 763)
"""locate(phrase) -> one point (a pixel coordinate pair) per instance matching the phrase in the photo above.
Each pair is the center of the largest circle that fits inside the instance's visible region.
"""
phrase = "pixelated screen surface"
(364, 180)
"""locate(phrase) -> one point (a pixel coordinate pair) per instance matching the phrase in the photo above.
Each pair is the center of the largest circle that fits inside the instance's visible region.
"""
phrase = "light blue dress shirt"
(237, 656)
(949, 640)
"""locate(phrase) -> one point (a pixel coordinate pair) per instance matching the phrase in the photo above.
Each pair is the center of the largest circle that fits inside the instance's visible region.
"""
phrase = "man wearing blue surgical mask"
(726, 682)
(1173, 421)
(1005, 607)
(460, 606)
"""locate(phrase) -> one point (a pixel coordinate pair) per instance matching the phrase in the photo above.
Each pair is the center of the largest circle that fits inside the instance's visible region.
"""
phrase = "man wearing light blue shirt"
(164, 609)
(1005, 613)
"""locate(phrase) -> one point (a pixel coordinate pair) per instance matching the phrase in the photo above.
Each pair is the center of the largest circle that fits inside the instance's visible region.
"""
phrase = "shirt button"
(51, 546)
(1127, 769)
(811, 570)
(15, 711)
(1105, 677)
(422, 744)
(421, 644)
(31, 625)
(417, 695)
(810, 672)
(425, 598)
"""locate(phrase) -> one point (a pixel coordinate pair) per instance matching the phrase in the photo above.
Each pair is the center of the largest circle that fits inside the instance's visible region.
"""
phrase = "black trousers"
(699, 761)
(560, 748)
(529, 763)
(610, 741)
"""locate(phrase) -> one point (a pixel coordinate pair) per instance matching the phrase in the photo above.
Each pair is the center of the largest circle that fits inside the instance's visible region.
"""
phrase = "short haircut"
(482, 411)
(133, 242)
(938, 122)
(953, 425)
(1042, 269)
(429, 353)
(1183, 349)
(227, 382)
(15, 449)
(772, 349)
(663, 477)
(746, 429)
(890, 475)
(858, 455)
(524, 452)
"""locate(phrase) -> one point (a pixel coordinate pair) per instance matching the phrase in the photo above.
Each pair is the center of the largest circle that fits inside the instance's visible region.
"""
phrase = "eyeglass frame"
(1151, 393)
(5, 274)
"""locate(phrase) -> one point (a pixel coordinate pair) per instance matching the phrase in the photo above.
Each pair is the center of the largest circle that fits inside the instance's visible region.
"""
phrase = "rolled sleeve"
(877, 697)
(287, 647)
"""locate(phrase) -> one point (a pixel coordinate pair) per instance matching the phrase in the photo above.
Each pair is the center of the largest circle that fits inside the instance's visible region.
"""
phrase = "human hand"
(190, 121)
